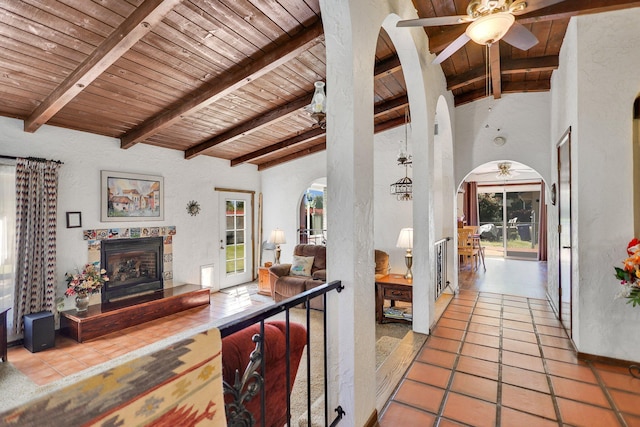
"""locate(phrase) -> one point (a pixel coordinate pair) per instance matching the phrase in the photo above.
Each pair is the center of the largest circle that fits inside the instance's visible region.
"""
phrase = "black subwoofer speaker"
(39, 331)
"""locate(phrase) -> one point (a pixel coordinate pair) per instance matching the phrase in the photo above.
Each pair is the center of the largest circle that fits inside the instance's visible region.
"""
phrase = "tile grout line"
(547, 373)
(499, 386)
(447, 390)
(605, 390)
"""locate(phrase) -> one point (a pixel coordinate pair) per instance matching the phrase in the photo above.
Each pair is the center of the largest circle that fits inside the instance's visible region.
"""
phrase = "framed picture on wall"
(131, 197)
(74, 219)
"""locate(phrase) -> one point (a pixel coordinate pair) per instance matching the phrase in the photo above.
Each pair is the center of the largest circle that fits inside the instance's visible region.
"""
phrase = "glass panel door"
(491, 215)
(236, 254)
(522, 213)
(509, 220)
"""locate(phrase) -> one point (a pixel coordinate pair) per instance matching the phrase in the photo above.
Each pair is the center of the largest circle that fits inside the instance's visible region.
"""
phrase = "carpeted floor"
(388, 336)
(15, 386)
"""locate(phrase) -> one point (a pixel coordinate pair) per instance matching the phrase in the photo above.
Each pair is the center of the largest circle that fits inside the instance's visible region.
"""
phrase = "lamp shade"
(490, 28)
(277, 237)
(405, 239)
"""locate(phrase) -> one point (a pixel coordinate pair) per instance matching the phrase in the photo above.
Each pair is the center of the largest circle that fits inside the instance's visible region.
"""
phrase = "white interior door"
(564, 238)
(236, 240)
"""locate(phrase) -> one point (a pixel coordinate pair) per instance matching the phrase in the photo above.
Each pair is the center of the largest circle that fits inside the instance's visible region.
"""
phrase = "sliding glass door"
(509, 220)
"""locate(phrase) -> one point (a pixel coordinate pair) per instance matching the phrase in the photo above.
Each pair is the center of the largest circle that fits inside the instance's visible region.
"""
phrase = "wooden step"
(103, 319)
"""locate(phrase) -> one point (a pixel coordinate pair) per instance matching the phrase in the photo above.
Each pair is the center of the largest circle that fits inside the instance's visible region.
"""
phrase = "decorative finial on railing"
(245, 389)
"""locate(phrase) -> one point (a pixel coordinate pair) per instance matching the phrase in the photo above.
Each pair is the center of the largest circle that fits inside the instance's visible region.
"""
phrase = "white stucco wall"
(351, 31)
(282, 189)
(522, 118)
(284, 185)
(564, 114)
(84, 155)
(607, 63)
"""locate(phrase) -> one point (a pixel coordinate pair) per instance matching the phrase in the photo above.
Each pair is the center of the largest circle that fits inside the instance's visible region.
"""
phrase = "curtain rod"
(35, 159)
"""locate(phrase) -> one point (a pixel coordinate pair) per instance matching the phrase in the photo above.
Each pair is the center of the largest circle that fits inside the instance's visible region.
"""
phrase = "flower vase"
(82, 302)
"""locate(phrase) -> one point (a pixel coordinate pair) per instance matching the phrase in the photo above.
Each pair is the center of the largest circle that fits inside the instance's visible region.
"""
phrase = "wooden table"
(264, 282)
(3, 335)
(393, 287)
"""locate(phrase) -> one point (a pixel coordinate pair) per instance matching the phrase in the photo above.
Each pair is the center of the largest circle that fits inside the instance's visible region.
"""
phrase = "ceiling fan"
(489, 21)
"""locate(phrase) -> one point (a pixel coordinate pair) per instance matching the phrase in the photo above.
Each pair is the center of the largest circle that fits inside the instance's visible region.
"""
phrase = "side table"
(264, 283)
(393, 287)
(3, 335)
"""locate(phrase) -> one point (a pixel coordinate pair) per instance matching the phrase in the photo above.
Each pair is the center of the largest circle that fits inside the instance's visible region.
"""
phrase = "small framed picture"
(74, 219)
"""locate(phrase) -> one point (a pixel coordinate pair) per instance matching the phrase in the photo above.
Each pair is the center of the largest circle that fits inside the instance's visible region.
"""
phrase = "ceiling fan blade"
(434, 22)
(520, 37)
(452, 48)
(535, 5)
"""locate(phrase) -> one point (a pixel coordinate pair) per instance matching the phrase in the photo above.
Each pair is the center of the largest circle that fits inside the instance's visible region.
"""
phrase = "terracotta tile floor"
(69, 357)
(501, 360)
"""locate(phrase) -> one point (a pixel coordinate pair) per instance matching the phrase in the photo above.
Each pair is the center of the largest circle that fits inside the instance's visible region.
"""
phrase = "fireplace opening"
(134, 267)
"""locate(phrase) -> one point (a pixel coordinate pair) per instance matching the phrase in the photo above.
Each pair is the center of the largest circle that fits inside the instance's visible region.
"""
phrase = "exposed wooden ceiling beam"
(322, 145)
(438, 42)
(507, 87)
(226, 84)
(386, 67)
(132, 29)
(381, 108)
(250, 126)
(507, 66)
(383, 68)
(494, 65)
(298, 139)
(569, 8)
(390, 105)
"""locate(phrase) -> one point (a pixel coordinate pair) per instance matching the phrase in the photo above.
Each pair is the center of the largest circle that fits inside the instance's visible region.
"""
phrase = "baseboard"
(373, 420)
(605, 359)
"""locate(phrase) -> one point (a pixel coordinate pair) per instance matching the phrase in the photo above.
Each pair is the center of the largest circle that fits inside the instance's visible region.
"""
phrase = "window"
(7, 238)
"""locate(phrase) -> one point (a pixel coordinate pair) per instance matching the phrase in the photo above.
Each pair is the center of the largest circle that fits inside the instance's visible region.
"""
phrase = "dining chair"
(467, 248)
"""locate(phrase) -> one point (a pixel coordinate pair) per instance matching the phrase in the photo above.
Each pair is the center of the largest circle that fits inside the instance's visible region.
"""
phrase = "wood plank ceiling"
(224, 78)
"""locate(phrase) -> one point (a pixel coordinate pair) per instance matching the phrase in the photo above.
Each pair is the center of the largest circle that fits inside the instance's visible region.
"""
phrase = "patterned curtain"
(36, 206)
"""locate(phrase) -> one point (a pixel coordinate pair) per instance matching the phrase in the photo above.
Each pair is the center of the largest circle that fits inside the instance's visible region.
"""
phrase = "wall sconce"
(318, 106)
(405, 241)
(277, 238)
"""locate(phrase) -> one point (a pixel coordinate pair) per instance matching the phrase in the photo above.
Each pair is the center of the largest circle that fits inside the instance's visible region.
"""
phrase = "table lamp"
(405, 241)
(277, 238)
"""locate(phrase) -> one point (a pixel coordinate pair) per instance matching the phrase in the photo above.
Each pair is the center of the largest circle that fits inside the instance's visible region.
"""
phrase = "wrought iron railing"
(247, 386)
(312, 236)
(441, 266)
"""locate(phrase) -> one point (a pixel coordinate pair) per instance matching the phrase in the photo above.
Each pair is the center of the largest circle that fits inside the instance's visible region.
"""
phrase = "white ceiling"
(488, 173)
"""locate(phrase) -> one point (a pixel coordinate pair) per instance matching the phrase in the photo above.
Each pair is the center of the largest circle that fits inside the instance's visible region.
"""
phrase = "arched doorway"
(312, 214)
(505, 201)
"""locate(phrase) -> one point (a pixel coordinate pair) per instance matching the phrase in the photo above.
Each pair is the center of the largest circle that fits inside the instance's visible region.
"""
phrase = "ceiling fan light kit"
(490, 28)
(489, 22)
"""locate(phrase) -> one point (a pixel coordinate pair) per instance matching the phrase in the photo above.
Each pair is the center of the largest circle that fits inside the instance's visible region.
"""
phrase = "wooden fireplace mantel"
(103, 319)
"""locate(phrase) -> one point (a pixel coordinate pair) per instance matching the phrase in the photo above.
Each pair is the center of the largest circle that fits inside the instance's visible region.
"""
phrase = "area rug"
(15, 386)
(178, 385)
(389, 338)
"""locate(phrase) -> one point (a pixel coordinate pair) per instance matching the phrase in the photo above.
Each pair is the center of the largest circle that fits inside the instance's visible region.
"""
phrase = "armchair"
(236, 349)
(284, 284)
